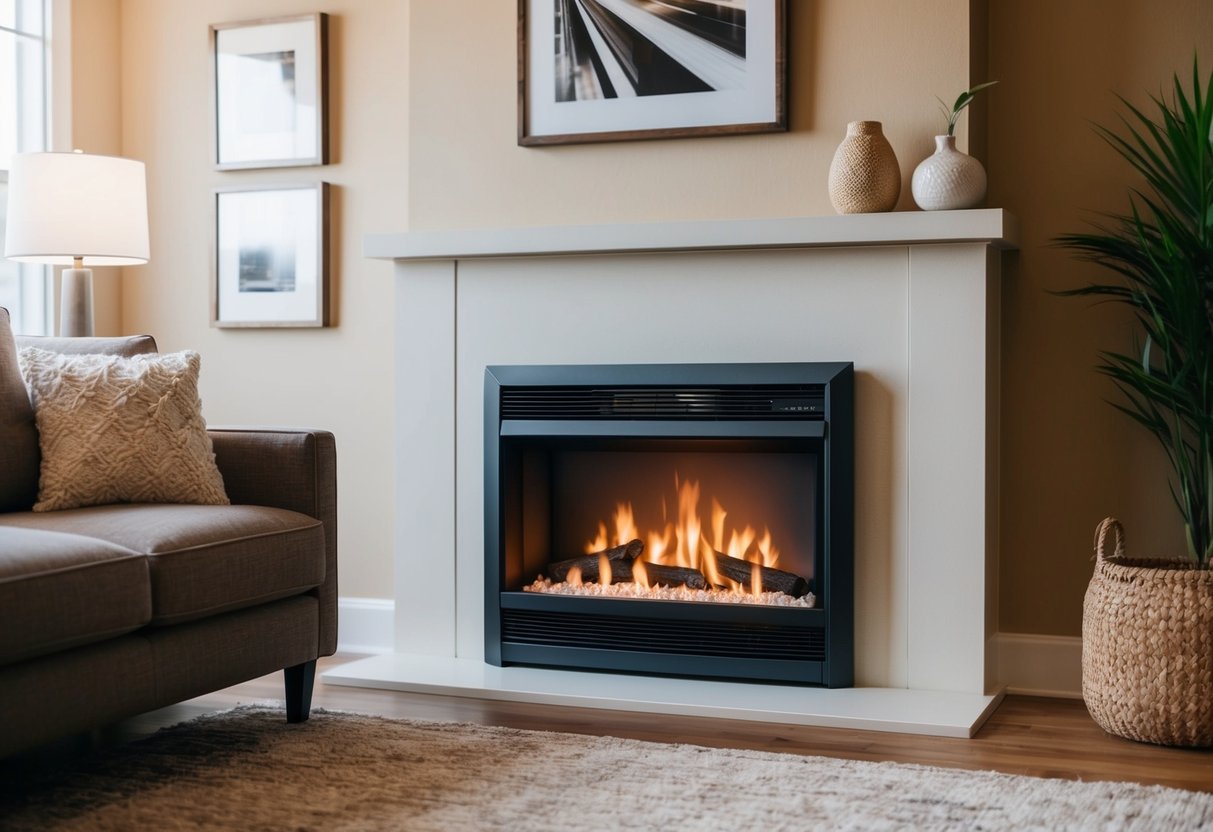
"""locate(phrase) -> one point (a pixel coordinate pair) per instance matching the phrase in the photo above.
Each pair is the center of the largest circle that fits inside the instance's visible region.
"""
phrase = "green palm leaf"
(1161, 251)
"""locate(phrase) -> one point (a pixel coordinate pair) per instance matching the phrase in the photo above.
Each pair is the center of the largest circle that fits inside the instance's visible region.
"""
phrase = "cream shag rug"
(248, 770)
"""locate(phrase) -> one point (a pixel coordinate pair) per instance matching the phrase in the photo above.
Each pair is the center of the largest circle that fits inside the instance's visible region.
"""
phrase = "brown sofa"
(109, 611)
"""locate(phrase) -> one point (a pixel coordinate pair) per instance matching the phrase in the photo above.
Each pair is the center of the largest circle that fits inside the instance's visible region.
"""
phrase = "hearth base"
(902, 711)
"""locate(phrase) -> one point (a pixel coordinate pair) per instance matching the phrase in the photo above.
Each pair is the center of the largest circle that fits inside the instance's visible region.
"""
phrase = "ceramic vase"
(948, 179)
(864, 176)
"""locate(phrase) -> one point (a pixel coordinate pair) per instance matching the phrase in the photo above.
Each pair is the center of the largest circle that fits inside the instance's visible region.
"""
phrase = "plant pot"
(864, 174)
(1147, 646)
(948, 179)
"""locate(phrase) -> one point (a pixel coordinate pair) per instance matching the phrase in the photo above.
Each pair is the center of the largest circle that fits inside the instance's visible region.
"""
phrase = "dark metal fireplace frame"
(799, 407)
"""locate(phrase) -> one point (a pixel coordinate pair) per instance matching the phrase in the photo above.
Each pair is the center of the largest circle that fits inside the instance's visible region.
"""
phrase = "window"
(24, 121)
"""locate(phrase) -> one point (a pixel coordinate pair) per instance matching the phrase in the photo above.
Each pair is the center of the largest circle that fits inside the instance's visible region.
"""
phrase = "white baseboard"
(366, 625)
(1036, 665)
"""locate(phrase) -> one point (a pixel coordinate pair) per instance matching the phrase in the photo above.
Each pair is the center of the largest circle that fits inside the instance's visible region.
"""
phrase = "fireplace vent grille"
(669, 636)
(740, 402)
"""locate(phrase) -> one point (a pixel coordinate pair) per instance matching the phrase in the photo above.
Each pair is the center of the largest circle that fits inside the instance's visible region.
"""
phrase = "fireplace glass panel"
(570, 496)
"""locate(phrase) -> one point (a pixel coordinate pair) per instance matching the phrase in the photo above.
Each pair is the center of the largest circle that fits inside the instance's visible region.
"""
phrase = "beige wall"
(848, 60)
(441, 153)
(1068, 458)
(338, 378)
(87, 104)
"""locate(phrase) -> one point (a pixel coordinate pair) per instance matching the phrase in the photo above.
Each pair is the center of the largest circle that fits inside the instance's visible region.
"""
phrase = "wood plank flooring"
(1026, 735)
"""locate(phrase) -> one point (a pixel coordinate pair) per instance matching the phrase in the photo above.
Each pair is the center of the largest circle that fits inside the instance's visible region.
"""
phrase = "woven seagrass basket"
(1147, 645)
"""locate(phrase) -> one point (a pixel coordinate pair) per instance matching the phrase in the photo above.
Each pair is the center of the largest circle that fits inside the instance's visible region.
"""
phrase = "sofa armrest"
(126, 345)
(294, 469)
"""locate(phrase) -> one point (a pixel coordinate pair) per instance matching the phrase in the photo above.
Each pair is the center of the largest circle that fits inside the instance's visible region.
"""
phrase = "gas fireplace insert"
(675, 519)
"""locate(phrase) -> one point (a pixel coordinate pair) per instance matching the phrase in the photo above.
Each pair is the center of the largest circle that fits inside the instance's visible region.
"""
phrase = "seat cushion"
(62, 590)
(203, 560)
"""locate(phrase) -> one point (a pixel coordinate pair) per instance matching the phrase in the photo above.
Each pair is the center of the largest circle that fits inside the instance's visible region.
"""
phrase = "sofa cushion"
(116, 429)
(18, 436)
(203, 560)
(62, 590)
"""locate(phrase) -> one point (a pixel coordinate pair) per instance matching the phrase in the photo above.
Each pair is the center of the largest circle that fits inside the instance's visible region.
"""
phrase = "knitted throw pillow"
(115, 429)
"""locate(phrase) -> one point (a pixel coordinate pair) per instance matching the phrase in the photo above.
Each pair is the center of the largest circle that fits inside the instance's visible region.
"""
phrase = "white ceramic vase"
(948, 179)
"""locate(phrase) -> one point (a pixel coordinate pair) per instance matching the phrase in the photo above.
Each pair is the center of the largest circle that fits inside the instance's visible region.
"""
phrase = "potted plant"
(949, 179)
(1148, 625)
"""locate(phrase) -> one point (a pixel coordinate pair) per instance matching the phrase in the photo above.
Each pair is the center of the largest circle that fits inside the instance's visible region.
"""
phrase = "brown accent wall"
(1068, 458)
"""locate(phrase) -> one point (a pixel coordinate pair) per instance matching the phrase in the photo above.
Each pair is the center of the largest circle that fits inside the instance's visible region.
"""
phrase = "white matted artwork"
(271, 263)
(611, 70)
(268, 85)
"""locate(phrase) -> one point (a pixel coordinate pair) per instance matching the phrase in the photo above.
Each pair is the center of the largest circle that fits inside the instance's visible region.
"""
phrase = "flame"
(658, 543)
(739, 543)
(718, 516)
(640, 575)
(687, 541)
(598, 543)
(689, 526)
(604, 571)
(573, 578)
(625, 530)
(707, 565)
(756, 580)
(770, 555)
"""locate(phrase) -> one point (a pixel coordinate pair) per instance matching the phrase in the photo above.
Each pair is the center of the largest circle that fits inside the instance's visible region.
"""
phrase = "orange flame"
(625, 530)
(769, 554)
(573, 578)
(640, 575)
(600, 542)
(685, 541)
(604, 571)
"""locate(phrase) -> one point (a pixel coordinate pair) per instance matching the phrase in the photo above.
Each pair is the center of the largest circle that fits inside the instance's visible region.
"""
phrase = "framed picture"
(271, 257)
(613, 70)
(268, 88)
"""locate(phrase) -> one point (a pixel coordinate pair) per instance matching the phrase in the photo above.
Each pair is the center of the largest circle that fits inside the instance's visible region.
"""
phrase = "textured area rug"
(248, 770)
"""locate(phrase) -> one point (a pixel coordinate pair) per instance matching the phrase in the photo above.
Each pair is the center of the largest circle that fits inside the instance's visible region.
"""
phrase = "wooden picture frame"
(269, 92)
(270, 256)
(609, 70)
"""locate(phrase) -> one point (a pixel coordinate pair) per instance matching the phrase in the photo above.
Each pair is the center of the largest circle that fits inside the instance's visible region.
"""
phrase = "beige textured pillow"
(115, 429)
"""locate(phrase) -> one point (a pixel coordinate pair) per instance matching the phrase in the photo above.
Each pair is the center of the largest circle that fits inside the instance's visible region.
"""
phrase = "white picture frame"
(269, 95)
(270, 255)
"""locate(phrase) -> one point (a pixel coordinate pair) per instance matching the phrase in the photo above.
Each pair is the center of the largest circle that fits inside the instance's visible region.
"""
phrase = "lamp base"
(76, 303)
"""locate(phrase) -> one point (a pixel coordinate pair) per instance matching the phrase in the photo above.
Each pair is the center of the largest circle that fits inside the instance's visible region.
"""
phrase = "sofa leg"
(299, 682)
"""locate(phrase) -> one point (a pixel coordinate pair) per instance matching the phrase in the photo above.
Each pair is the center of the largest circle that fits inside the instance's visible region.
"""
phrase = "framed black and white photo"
(270, 257)
(612, 70)
(268, 89)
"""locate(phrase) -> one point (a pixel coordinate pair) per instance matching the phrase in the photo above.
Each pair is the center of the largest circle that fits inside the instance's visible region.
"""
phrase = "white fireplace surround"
(911, 298)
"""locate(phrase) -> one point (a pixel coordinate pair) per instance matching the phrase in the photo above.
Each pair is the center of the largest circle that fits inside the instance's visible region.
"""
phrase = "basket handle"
(1110, 526)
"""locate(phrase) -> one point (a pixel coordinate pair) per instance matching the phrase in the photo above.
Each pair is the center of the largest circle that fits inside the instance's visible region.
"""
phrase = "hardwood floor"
(1026, 735)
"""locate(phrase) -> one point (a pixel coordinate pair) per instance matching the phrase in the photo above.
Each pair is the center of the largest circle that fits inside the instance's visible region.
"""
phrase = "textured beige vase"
(864, 176)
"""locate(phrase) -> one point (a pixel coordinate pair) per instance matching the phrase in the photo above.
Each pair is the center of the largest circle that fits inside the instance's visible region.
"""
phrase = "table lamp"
(77, 210)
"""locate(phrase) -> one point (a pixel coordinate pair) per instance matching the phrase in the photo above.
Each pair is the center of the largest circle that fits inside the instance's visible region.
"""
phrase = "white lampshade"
(75, 205)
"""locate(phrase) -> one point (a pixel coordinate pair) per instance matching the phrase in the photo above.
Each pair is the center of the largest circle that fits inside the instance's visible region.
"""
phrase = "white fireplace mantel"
(910, 297)
(991, 226)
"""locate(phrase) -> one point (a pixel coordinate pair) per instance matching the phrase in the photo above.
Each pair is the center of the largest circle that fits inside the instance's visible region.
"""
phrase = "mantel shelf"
(992, 226)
